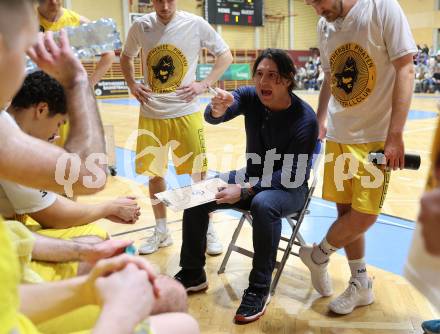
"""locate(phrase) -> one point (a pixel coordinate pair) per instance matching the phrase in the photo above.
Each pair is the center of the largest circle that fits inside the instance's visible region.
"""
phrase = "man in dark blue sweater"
(281, 134)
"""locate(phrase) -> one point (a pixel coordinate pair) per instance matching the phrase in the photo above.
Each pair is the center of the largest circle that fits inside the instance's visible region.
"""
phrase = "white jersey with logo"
(18, 199)
(169, 58)
(358, 51)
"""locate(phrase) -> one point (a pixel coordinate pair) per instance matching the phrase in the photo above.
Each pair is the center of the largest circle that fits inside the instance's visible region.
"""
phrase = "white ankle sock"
(358, 270)
(211, 225)
(161, 225)
(321, 254)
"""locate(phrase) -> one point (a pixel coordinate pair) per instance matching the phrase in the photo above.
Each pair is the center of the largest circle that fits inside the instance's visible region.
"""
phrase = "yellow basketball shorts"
(74, 232)
(183, 136)
(82, 321)
(350, 179)
(50, 271)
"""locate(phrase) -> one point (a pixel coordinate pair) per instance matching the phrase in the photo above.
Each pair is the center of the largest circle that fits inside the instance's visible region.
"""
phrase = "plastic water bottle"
(88, 40)
(131, 250)
(412, 160)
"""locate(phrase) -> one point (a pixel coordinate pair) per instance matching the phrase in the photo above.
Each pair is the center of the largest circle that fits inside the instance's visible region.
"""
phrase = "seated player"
(125, 287)
(39, 108)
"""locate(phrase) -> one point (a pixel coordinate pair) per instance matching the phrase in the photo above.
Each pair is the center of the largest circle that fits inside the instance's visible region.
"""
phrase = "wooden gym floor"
(295, 307)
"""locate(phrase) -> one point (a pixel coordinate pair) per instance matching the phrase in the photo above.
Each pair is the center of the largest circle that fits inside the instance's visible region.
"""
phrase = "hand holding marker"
(212, 90)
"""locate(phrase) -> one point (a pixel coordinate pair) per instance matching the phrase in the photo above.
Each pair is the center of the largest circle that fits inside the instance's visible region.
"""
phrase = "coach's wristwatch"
(246, 193)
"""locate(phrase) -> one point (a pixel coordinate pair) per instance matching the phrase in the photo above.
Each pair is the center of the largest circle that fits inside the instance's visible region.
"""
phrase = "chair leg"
(282, 263)
(300, 239)
(295, 235)
(232, 244)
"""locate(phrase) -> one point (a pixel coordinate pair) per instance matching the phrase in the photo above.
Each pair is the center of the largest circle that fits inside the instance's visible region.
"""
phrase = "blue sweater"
(293, 131)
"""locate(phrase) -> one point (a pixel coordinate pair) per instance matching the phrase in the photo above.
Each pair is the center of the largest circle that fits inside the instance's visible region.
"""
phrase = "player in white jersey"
(170, 116)
(367, 56)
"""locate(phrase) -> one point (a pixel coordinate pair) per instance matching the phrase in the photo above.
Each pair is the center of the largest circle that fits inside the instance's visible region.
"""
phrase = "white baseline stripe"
(362, 325)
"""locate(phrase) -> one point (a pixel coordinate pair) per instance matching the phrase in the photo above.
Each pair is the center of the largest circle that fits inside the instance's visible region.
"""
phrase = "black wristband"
(245, 194)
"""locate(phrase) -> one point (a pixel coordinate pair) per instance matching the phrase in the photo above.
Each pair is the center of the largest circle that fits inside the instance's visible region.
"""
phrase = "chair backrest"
(295, 237)
(316, 161)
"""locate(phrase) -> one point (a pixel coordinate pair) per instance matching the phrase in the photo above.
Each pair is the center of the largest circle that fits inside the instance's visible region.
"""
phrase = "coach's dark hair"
(39, 87)
(284, 63)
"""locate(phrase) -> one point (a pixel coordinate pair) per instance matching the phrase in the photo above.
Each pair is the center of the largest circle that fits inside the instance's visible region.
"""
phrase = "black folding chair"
(295, 220)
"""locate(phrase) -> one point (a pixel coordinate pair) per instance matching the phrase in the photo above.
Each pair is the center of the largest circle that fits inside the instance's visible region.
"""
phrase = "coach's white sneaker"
(213, 244)
(157, 240)
(355, 295)
(320, 278)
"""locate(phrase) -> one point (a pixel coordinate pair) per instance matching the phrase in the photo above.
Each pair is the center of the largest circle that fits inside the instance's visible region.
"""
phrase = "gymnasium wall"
(275, 33)
(97, 9)
(423, 16)
(424, 19)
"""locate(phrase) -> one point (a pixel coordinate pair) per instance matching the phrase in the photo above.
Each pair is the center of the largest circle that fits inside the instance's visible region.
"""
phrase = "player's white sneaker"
(157, 240)
(320, 278)
(213, 244)
(354, 296)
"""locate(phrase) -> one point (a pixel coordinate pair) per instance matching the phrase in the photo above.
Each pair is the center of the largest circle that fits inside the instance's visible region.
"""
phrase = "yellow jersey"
(11, 320)
(68, 19)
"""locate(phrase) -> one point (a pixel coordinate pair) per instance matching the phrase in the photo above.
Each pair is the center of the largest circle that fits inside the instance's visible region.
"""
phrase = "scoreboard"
(234, 12)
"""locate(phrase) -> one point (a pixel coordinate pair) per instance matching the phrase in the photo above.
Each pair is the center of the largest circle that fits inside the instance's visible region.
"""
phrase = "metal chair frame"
(295, 221)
